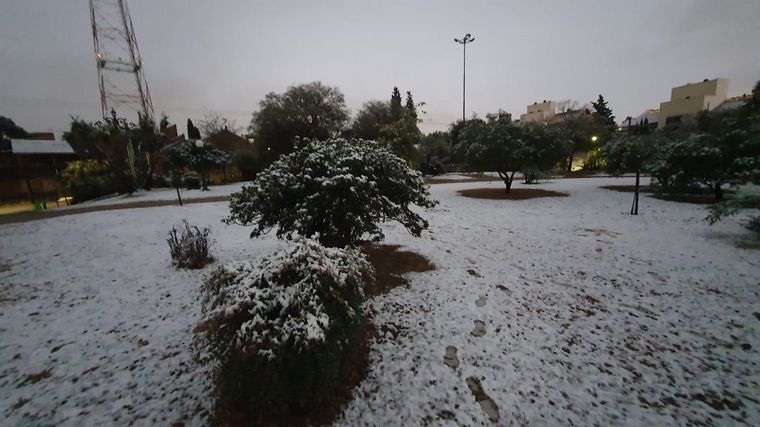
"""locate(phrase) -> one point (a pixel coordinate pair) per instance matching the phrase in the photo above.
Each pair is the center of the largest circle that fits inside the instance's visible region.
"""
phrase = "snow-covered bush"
(190, 249)
(340, 189)
(280, 330)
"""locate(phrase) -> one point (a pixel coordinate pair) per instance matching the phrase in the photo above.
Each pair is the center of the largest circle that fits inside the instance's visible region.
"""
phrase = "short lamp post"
(204, 179)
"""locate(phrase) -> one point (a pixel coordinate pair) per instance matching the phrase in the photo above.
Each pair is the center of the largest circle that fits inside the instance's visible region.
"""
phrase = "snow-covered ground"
(591, 316)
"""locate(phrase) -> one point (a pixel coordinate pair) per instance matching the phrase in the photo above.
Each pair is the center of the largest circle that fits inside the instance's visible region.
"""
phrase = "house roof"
(32, 146)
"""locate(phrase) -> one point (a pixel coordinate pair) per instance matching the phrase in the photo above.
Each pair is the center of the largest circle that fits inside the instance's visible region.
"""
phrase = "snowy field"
(585, 316)
(165, 194)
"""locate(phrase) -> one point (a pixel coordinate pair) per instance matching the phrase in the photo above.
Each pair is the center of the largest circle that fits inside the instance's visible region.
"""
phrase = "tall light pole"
(466, 39)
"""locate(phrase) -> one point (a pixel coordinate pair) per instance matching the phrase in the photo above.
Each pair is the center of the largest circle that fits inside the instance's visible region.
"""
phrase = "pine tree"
(603, 112)
(396, 104)
(410, 107)
(192, 131)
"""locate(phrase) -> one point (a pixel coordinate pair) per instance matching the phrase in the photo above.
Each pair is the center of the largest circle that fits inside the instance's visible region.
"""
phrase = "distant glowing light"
(594, 138)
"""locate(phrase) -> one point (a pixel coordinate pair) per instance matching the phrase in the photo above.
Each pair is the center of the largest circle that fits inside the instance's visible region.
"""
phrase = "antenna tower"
(121, 77)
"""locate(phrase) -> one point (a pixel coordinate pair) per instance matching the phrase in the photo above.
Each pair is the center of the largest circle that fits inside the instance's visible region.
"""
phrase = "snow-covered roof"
(33, 146)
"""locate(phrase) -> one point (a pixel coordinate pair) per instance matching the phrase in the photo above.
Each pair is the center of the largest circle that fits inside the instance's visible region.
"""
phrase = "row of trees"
(711, 151)
(316, 111)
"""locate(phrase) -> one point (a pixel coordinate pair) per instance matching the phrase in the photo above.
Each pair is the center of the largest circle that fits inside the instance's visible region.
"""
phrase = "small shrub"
(248, 164)
(190, 249)
(753, 225)
(192, 180)
(533, 175)
(279, 333)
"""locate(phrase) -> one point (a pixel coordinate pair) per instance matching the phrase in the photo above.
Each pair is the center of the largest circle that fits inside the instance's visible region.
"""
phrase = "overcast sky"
(225, 55)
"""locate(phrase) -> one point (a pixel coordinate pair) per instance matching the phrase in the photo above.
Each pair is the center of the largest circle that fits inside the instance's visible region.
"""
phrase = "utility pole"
(466, 39)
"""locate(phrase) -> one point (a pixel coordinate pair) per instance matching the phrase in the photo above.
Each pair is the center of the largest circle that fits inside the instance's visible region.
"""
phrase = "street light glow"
(594, 138)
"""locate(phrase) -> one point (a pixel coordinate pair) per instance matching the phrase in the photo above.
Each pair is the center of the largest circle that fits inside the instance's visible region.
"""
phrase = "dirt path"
(33, 216)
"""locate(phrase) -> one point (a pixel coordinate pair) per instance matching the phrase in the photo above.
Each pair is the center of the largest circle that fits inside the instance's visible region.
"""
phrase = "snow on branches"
(291, 303)
(340, 189)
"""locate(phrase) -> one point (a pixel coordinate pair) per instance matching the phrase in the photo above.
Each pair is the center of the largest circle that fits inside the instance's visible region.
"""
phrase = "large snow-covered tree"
(499, 145)
(198, 156)
(339, 189)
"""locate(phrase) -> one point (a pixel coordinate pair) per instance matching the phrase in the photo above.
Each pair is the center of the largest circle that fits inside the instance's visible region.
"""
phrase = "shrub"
(338, 189)
(278, 333)
(191, 248)
(192, 180)
(248, 164)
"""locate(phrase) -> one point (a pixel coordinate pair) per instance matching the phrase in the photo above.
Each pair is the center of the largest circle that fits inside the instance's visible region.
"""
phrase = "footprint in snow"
(481, 301)
(450, 358)
(473, 273)
(480, 329)
(486, 403)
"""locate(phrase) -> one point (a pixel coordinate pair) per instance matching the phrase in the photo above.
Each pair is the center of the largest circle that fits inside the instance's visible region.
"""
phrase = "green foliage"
(499, 145)
(603, 113)
(248, 164)
(369, 120)
(192, 131)
(107, 144)
(402, 137)
(718, 149)
(732, 206)
(630, 153)
(395, 105)
(10, 129)
(198, 156)
(435, 150)
(340, 189)
(311, 110)
(279, 333)
(192, 180)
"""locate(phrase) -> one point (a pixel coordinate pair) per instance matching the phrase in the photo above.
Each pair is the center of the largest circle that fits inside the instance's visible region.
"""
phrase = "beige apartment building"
(692, 98)
(539, 112)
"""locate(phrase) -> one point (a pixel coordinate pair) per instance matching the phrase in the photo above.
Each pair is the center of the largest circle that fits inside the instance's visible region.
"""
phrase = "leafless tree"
(213, 122)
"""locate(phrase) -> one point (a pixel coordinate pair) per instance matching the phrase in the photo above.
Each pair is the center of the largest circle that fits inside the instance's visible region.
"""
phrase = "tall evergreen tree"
(192, 131)
(603, 112)
(410, 107)
(396, 109)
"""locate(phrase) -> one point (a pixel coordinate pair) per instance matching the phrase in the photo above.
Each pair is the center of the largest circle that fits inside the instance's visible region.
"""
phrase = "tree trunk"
(635, 205)
(718, 192)
(508, 178)
(179, 197)
(570, 163)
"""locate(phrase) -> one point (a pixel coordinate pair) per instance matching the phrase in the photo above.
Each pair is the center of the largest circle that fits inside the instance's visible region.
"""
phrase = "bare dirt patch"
(390, 264)
(459, 180)
(514, 194)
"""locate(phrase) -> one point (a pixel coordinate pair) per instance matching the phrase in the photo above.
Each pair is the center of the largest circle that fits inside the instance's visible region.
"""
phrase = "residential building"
(30, 168)
(692, 98)
(539, 112)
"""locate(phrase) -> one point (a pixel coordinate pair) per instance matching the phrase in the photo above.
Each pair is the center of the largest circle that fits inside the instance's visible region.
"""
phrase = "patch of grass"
(514, 194)
(390, 263)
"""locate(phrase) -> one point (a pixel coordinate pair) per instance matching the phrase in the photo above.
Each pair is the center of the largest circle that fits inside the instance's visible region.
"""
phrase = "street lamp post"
(466, 39)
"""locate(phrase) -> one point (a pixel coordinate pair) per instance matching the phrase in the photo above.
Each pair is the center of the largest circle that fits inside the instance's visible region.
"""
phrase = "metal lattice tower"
(121, 77)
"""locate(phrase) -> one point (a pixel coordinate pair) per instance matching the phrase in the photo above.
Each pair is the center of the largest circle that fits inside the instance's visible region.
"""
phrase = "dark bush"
(192, 181)
(248, 164)
(190, 249)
